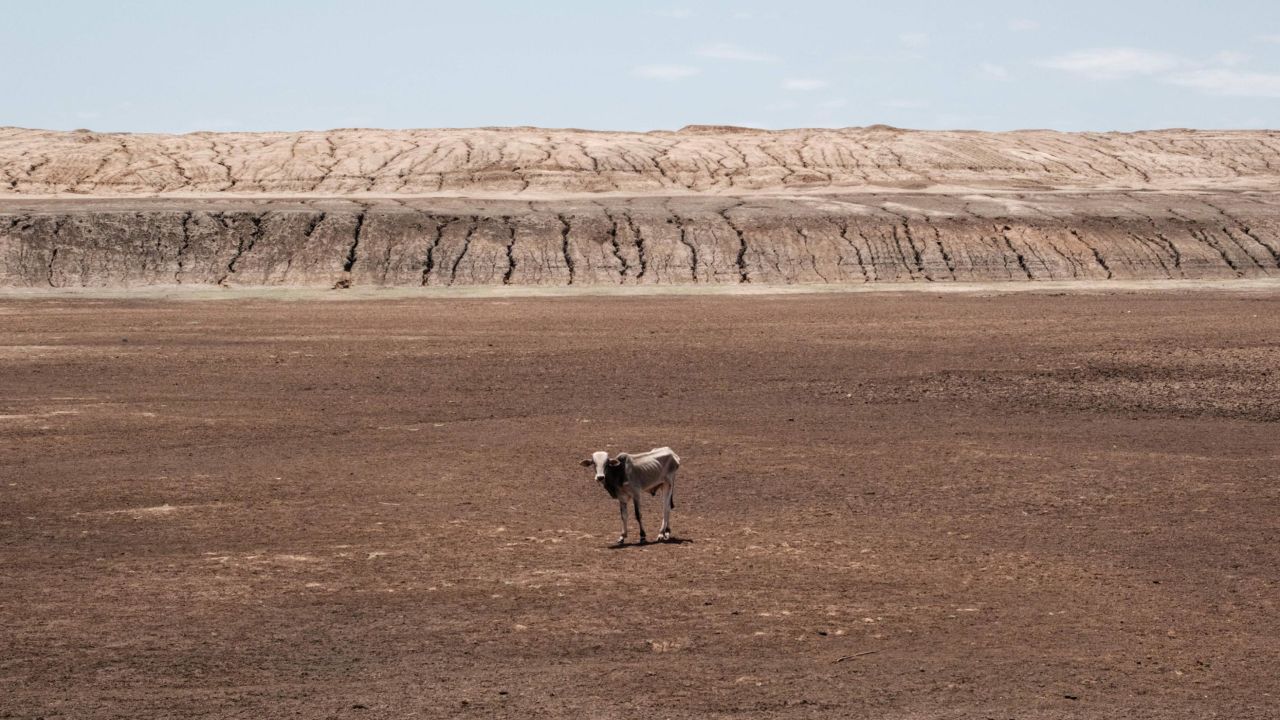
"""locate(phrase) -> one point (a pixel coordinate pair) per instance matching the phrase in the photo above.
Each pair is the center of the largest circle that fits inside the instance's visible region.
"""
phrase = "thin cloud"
(1113, 63)
(994, 71)
(1215, 75)
(1273, 39)
(1023, 25)
(915, 40)
(901, 104)
(665, 72)
(1230, 58)
(729, 51)
(1230, 83)
(804, 84)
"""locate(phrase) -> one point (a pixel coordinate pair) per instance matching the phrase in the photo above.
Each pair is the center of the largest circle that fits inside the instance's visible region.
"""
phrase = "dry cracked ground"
(704, 205)
(892, 505)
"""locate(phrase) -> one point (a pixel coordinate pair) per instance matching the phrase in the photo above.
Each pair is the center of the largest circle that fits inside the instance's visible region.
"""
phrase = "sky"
(230, 65)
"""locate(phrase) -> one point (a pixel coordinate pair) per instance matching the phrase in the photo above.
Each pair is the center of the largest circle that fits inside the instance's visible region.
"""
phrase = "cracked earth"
(893, 505)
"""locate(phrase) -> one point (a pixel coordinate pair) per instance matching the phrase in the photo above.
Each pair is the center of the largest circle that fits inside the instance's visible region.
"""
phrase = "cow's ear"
(614, 462)
(586, 463)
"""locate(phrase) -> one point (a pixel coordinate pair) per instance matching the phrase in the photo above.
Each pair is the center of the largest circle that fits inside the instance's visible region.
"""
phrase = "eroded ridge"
(531, 161)
(845, 238)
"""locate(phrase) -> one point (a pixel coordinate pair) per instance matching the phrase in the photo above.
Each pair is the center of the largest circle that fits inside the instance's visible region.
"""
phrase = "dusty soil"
(891, 506)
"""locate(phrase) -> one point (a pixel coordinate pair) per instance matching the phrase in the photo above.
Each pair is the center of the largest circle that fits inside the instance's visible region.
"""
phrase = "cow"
(625, 476)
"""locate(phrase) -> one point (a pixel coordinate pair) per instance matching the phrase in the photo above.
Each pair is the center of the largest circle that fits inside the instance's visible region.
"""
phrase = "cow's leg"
(667, 499)
(635, 498)
(622, 510)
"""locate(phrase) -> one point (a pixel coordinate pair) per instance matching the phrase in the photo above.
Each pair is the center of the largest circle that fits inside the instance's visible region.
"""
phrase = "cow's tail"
(673, 487)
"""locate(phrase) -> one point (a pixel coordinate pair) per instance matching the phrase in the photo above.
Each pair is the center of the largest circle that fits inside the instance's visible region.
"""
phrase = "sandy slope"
(516, 161)
(703, 205)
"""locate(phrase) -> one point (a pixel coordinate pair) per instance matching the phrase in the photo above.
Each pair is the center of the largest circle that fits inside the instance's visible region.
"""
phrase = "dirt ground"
(891, 506)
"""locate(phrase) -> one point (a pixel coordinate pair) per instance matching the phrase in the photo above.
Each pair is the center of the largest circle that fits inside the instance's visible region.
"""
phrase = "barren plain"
(892, 506)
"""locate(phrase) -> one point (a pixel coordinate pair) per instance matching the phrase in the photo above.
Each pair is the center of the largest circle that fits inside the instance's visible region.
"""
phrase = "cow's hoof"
(621, 541)
(665, 537)
(644, 540)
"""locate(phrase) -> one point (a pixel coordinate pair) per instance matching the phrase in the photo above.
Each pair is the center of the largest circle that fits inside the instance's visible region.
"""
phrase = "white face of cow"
(598, 460)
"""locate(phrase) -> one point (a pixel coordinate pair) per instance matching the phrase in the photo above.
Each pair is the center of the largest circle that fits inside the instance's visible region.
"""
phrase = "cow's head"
(600, 461)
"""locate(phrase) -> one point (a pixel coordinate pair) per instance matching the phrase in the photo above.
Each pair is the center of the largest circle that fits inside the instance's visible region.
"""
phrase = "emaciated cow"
(625, 476)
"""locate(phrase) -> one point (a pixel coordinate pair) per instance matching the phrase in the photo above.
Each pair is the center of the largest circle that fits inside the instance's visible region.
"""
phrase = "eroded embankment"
(828, 239)
(517, 161)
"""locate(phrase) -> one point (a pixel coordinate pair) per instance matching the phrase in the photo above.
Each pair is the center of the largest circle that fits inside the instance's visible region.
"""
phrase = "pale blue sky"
(182, 65)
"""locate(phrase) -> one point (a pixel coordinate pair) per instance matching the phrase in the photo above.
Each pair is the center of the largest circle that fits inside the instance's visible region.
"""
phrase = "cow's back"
(663, 457)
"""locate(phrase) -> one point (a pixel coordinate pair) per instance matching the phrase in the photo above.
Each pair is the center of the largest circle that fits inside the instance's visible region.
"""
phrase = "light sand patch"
(669, 645)
(900, 208)
(20, 350)
(154, 511)
(45, 352)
